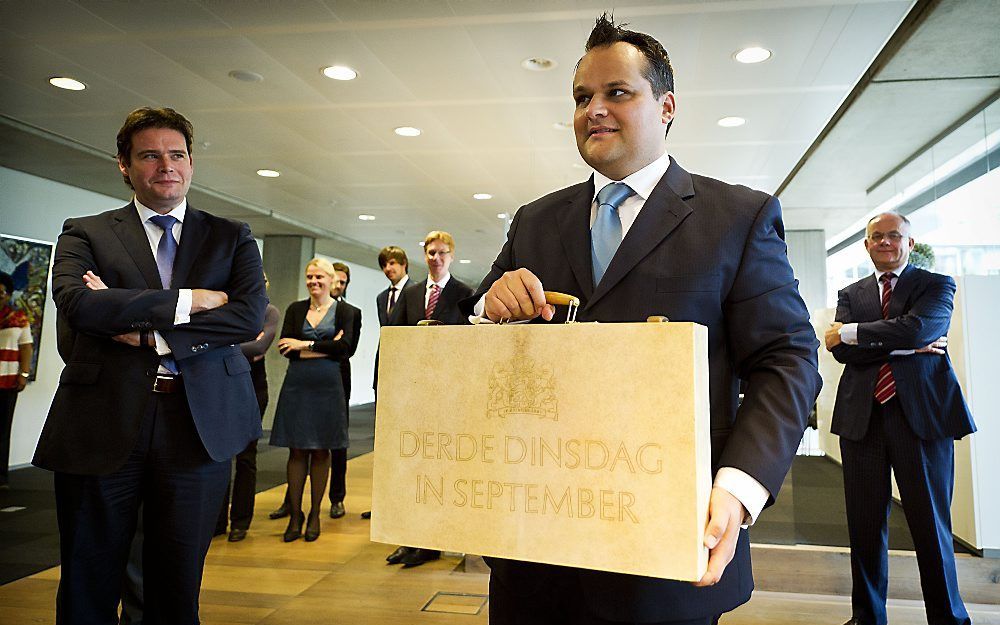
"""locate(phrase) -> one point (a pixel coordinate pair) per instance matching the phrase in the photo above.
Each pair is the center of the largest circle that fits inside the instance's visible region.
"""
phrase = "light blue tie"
(606, 234)
(166, 250)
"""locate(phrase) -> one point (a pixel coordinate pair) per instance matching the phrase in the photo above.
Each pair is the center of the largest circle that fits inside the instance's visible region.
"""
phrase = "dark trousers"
(560, 602)
(8, 399)
(925, 475)
(338, 475)
(244, 479)
(180, 488)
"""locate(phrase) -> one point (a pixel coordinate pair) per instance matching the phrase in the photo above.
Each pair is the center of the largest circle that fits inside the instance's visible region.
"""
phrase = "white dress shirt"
(399, 289)
(430, 282)
(182, 313)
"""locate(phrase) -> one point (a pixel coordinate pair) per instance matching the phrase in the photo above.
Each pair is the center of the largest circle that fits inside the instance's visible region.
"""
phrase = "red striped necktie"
(885, 385)
(432, 301)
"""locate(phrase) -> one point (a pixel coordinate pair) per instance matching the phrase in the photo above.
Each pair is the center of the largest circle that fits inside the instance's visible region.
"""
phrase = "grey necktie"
(166, 251)
(606, 234)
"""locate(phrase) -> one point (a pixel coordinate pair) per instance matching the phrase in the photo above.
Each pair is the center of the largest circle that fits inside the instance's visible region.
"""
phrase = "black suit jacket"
(343, 319)
(95, 415)
(926, 387)
(410, 307)
(702, 251)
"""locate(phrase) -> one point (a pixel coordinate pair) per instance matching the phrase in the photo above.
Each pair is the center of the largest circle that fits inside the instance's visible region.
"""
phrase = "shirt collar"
(145, 212)
(399, 285)
(441, 283)
(642, 182)
(879, 274)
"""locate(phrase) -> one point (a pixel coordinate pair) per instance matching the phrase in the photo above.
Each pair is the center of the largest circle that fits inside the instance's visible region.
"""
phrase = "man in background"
(899, 408)
(338, 457)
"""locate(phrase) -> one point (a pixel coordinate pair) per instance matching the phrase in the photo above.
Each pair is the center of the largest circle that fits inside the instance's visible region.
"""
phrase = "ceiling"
(453, 69)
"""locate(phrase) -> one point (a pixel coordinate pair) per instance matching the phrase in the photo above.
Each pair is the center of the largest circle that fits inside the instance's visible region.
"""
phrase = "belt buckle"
(165, 383)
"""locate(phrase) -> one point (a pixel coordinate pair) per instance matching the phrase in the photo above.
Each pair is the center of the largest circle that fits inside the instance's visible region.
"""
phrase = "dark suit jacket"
(702, 251)
(928, 392)
(103, 390)
(410, 307)
(381, 303)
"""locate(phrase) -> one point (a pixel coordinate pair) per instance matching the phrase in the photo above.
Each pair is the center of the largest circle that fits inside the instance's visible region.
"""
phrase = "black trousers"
(243, 479)
(925, 475)
(180, 488)
(555, 604)
(8, 400)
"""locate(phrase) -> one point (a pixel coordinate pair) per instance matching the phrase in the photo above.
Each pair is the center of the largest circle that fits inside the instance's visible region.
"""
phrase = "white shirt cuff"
(161, 344)
(849, 333)
(182, 314)
(749, 491)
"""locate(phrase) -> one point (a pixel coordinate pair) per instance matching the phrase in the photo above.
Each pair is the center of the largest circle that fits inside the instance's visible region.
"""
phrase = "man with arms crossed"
(644, 237)
(898, 407)
(156, 397)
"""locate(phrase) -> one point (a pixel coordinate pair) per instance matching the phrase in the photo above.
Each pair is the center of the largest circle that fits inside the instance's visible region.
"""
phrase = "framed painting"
(28, 262)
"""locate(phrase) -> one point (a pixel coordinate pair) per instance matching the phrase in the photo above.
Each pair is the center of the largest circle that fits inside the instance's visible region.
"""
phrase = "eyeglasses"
(878, 237)
(433, 253)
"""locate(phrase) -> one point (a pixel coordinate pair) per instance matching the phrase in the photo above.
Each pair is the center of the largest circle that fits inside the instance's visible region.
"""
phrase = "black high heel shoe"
(294, 529)
(312, 529)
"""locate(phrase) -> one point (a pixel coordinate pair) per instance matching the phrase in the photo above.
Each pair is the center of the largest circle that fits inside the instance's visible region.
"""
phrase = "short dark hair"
(8, 282)
(392, 252)
(148, 117)
(658, 71)
(339, 266)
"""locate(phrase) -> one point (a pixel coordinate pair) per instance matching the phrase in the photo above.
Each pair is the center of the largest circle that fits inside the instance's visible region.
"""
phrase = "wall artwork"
(28, 262)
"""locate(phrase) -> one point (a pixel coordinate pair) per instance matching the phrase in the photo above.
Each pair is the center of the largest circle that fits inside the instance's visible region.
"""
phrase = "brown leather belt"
(168, 384)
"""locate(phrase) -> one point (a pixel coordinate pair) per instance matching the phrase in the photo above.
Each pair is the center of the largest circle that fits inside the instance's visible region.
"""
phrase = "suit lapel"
(130, 231)
(663, 211)
(448, 294)
(904, 285)
(574, 235)
(194, 232)
(416, 303)
(871, 299)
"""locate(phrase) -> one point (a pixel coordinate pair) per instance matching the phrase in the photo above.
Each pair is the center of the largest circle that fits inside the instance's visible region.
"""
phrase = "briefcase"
(579, 444)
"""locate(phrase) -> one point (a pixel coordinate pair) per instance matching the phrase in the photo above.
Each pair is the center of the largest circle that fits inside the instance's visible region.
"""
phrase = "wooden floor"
(343, 578)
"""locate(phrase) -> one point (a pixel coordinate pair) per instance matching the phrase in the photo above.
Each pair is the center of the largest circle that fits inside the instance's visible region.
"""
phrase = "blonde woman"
(311, 417)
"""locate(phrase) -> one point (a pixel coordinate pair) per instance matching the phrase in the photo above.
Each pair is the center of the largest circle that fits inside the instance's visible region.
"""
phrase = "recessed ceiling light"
(407, 131)
(563, 125)
(339, 72)
(731, 122)
(753, 54)
(578, 166)
(465, 261)
(421, 244)
(246, 75)
(64, 82)
(482, 196)
(538, 64)
(501, 215)
(366, 217)
(268, 173)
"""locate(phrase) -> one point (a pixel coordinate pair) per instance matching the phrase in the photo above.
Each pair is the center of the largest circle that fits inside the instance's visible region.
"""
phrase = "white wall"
(35, 208)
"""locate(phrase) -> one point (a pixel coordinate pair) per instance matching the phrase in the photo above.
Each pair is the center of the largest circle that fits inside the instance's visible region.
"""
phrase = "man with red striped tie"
(898, 407)
(435, 298)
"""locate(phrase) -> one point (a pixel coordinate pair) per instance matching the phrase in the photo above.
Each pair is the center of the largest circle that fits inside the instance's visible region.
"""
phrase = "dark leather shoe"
(419, 556)
(236, 535)
(337, 510)
(294, 529)
(280, 513)
(366, 515)
(397, 556)
(853, 621)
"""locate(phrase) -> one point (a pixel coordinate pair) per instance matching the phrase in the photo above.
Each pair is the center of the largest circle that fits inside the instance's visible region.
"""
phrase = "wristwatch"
(311, 343)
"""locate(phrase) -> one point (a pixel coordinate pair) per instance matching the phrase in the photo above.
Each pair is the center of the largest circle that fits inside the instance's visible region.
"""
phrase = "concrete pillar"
(285, 259)
(807, 255)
